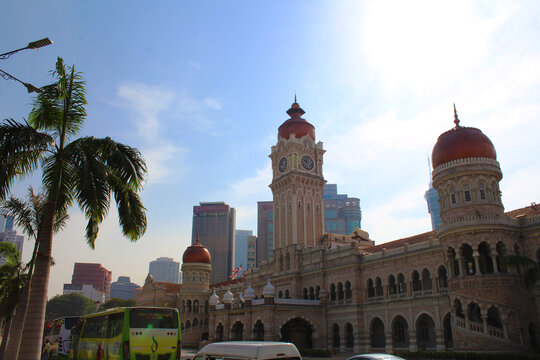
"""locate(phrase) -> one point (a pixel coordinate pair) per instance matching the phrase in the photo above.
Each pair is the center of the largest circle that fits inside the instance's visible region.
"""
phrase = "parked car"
(375, 357)
(248, 350)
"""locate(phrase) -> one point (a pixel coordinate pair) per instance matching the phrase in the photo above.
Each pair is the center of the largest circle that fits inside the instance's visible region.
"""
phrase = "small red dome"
(461, 143)
(296, 125)
(196, 254)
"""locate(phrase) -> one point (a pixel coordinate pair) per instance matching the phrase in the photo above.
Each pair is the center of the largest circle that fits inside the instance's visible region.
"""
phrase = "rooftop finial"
(456, 120)
(295, 96)
(197, 238)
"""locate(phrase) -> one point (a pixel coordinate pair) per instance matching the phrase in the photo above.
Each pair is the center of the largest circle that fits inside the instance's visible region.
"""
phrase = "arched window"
(305, 293)
(473, 313)
(332, 292)
(467, 255)
(416, 283)
(258, 331)
(188, 325)
(484, 259)
(494, 317)
(378, 338)
(482, 190)
(402, 286)
(219, 333)
(370, 289)
(458, 309)
(467, 192)
(317, 292)
(378, 287)
(196, 307)
(400, 333)
(287, 294)
(311, 293)
(280, 294)
(392, 287)
(442, 278)
(340, 293)
(501, 252)
(188, 306)
(348, 290)
(427, 284)
(206, 306)
(452, 195)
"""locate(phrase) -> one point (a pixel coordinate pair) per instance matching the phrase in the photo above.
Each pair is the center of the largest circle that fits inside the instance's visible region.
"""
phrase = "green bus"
(130, 333)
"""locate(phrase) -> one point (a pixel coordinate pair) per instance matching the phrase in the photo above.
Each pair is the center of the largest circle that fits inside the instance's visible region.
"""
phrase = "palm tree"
(28, 217)
(87, 171)
(12, 279)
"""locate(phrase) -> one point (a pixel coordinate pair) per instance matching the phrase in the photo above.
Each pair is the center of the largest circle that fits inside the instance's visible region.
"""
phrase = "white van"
(248, 350)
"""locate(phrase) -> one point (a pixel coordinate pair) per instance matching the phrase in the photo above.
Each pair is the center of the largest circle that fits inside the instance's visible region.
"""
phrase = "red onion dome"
(296, 125)
(462, 143)
(196, 254)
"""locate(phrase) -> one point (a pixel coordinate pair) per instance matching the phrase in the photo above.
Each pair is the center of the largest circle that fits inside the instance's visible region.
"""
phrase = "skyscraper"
(165, 269)
(92, 274)
(241, 247)
(432, 199)
(265, 231)
(342, 213)
(123, 288)
(214, 223)
(8, 234)
(251, 252)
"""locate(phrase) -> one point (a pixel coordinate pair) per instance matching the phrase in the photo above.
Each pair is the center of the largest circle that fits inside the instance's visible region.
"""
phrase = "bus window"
(116, 325)
(95, 327)
(69, 322)
(153, 319)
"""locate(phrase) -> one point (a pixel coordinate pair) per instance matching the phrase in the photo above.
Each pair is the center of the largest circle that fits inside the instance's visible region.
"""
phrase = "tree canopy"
(69, 305)
(117, 302)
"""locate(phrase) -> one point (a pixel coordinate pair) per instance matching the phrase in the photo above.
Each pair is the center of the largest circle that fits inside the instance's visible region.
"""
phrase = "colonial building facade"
(445, 289)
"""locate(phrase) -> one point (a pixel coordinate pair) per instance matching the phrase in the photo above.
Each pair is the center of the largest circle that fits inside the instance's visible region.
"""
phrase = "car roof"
(376, 357)
(248, 348)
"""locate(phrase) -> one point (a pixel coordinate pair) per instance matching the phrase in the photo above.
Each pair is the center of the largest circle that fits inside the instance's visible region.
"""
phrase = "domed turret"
(228, 297)
(249, 293)
(214, 299)
(461, 143)
(296, 125)
(196, 254)
(269, 290)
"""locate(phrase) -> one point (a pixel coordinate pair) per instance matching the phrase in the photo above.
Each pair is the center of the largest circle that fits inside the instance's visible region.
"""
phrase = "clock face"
(282, 164)
(307, 162)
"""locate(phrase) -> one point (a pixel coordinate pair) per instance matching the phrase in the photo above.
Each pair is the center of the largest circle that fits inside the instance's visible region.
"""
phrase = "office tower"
(342, 213)
(12, 237)
(85, 290)
(92, 274)
(165, 269)
(241, 247)
(251, 252)
(432, 199)
(6, 222)
(214, 224)
(265, 231)
(123, 288)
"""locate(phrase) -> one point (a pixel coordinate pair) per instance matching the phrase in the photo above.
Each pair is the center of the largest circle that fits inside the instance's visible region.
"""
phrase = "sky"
(200, 88)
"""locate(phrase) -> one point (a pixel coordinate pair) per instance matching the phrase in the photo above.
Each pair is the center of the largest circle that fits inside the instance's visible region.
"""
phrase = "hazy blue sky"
(201, 88)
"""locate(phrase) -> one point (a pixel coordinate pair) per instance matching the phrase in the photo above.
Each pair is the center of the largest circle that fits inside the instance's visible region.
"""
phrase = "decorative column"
(476, 257)
(494, 261)
(483, 315)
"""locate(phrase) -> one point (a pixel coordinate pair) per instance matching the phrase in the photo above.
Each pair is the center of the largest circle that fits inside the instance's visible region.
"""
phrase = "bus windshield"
(153, 319)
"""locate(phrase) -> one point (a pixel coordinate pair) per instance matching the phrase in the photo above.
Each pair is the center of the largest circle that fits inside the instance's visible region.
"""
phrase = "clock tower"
(297, 183)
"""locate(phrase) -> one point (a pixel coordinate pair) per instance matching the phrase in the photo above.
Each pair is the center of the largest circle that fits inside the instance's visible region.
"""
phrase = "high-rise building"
(8, 234)
(434, 209)
(92, 274)
(123, 288)
(342, 213)
(241, 247)
(165, 269)
(214, 224)
(265, 231)
(432, 199)
(251, 252)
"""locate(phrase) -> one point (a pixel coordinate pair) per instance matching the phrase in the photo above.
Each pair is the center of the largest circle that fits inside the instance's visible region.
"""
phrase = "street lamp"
(29, 87)
(32, 45)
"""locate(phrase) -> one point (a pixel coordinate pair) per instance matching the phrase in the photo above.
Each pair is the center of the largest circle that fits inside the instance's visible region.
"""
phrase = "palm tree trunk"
(5, 339)
(17, 324)
(12, 350)
(32, 336)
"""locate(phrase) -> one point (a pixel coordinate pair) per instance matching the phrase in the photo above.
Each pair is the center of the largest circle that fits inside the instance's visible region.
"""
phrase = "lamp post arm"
(29, 87)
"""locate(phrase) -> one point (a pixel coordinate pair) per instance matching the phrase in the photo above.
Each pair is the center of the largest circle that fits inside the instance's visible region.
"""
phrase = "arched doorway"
(425, 332)
(299, 332)
(378, 339)
(258, 331)
(219, 332)
(336, 341)
(237, 331)
(447, 329)
(349, 336)
(400, 333)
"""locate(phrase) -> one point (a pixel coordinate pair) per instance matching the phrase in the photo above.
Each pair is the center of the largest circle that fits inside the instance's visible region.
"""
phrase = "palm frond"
(22, 213)
(131, 211)
(21, 149)
(58, 181)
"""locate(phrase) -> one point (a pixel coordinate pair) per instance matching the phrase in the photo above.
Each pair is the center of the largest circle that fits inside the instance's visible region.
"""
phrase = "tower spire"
(197, 238)
(456, 120)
